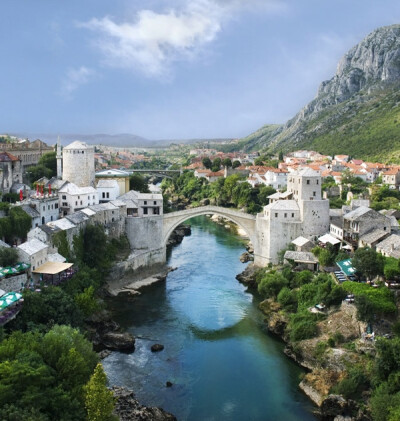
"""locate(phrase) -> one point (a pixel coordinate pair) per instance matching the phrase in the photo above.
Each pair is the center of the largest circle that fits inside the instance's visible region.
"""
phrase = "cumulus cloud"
(74, 79)
(153, 40)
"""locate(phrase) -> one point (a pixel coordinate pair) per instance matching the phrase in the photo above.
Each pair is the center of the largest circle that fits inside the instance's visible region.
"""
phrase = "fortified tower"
(78, 164)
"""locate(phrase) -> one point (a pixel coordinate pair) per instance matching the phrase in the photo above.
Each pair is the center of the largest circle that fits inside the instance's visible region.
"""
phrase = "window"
(285, 215)
(88, 198)
(155, 202)
(64, 197)
(93, 197)
(48, 207)
(314, 193)
(56, 206)
(308, 181)
(292, 215)
(145, 210)
(108, 195)
(276, 215)
(81, 201)
(145, 202)
(103, 195)
(317, 181)
(76, 203)
(79, 197)
(44, 208)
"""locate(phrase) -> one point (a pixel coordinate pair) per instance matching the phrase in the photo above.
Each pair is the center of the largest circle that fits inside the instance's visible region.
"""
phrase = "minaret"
(59, 159)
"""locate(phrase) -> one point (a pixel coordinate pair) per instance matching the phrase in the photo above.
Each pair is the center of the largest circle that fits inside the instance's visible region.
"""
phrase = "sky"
(171, 69)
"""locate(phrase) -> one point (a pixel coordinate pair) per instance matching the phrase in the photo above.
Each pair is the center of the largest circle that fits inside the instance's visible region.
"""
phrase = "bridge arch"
(245, 221)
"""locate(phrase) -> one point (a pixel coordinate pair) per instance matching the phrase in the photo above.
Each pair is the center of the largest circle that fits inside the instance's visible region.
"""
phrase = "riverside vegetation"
(327, 342)
(48, 369)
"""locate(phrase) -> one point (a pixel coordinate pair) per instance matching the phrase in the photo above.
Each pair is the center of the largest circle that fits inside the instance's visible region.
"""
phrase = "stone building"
(301, 211)
(78, 164)
(73, 198)
(108, 190)
(10, 171)
(142, 204)
(27, 152)
(121, 177)
(33, 252)
(42, 209)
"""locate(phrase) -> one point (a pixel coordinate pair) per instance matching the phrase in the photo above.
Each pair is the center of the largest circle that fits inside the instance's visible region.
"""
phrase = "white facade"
(78, 164)
(33, 252)
(142, 204)
(72, 198)
(108, 190)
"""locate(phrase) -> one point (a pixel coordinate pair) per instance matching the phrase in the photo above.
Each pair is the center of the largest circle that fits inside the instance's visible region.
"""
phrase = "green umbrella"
(9, 299)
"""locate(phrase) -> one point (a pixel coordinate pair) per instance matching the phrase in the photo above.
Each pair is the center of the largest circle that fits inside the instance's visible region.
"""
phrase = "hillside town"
(321, 217)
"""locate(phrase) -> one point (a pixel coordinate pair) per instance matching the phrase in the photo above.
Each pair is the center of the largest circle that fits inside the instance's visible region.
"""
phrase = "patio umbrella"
(8, 299)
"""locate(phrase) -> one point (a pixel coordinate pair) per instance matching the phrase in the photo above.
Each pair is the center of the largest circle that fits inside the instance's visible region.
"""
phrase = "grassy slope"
(368, 130)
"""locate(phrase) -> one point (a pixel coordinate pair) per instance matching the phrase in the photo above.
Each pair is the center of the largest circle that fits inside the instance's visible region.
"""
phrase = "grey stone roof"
(77, 144)
(3, 244)
(357, 213)
(77, 217)
(301, 256)
(32, 246)
(33, 213)
(284, 205)
(107, 184)
(309, 172)
(301, 241)
(390, 246)
(337, 221)
(373, 236)
(71, 188)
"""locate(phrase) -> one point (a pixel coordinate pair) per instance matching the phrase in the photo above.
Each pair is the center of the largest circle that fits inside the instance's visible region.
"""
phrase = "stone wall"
(144, 233)
(14, 283)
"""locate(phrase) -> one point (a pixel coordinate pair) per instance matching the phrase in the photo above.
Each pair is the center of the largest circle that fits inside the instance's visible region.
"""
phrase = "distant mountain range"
(123, 140)
(357, 112)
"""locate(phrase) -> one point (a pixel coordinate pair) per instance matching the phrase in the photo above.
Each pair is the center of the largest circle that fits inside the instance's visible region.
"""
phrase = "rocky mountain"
(356, 112)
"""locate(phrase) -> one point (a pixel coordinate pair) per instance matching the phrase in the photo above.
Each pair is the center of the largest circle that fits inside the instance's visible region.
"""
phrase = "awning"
(327, 238)
(346, 267)
(52, 268)
(9, 299)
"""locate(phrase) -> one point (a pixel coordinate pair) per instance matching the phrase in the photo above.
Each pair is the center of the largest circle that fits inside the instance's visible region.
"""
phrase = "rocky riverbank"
(325, 365)
(127, 408)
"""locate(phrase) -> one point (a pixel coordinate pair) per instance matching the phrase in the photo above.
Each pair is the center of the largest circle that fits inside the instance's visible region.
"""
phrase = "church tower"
(59, 159)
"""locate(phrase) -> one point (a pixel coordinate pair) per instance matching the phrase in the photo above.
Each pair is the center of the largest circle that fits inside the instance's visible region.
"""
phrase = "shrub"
(271, 284)
(352, 385)
(303, 325)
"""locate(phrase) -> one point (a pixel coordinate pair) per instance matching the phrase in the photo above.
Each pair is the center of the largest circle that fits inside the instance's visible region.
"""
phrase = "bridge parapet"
(246, 221)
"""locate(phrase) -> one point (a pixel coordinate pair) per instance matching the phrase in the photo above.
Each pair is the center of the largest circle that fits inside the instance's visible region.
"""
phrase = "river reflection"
(222, 363)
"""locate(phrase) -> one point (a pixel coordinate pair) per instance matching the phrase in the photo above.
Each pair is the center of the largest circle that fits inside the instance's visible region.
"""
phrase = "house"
(108, 190)
(372, 238)
(363, 220)
(214, 176)
(73, 198)
(303, 244)
(392, 178)
(302, 259)
(390, 246)
(10, 171)
(33, 252)
(142, 204)
(42, 209)
(120, 176)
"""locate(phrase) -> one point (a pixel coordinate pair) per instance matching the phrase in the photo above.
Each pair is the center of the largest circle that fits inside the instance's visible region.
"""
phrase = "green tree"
(368, 262)
(271, 284)
(99, 401)
(216, 165)
(227, 162)
(236, 164)
(206, 161)
(8, 256)
(138, 183)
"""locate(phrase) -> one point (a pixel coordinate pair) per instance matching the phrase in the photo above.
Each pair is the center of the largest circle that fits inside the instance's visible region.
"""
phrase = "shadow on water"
(242, 328)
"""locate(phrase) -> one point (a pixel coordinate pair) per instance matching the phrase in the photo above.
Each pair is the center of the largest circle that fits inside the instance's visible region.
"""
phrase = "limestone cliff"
(362, 94)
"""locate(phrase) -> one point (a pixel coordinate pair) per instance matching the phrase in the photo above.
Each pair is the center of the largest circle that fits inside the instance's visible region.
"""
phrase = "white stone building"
(73, 198)
(302, 213)
(142, 204)
(78, 164)
(120, 176)
(33, 252)
(108, 190)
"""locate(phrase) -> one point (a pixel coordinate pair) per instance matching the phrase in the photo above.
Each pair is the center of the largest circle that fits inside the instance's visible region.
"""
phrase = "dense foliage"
(15, 225)
(232, 191)
(43, 375)
(46, 167)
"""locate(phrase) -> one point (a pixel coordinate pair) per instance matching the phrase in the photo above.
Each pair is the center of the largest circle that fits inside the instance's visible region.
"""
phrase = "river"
(221, 361)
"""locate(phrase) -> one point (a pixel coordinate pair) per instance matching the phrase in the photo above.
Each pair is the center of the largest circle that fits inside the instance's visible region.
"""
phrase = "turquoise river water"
(218, 355)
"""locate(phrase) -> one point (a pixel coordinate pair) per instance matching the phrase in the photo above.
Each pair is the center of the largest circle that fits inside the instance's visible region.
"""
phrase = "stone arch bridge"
(244, 220)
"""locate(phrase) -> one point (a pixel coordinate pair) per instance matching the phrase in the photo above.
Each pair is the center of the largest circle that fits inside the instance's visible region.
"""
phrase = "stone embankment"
(127, 408)
(325, 368)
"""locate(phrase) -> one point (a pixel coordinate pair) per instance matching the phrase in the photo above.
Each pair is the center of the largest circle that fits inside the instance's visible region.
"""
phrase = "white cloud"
(154, 40)
(74, 79)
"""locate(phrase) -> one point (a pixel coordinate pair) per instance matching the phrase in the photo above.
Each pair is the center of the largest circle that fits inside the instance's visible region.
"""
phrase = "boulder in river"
(118, 341)
(157, 348)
